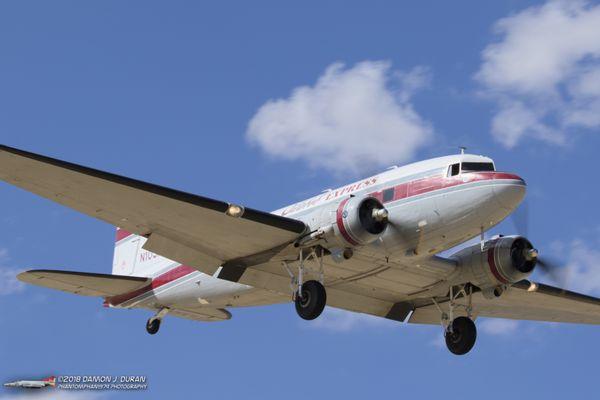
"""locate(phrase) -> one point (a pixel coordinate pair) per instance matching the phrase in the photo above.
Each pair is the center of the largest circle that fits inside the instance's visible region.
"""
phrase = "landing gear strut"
(309, 297)
(153, 323)
(460, 333)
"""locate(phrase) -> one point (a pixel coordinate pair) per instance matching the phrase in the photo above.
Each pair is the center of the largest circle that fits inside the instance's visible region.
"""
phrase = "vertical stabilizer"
(51, 381)
(127, 247)
(130, 258)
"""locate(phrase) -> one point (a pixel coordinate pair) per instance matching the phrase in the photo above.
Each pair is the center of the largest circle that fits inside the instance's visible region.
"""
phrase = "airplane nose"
(509, 193)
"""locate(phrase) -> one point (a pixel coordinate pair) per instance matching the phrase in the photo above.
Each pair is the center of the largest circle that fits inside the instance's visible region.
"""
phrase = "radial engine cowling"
(360, 220)
(503, 261)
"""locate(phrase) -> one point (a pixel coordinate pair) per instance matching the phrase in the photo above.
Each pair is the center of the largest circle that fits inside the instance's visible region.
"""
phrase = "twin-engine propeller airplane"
(368, 247)
(50, 381)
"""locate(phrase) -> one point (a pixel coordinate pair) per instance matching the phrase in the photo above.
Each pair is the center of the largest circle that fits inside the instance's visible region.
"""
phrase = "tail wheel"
(153, 325)
(311, 300)
(461, 337)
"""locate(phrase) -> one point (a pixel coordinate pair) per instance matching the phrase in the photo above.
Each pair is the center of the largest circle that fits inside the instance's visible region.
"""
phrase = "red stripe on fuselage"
(161, 280)
(429, 184)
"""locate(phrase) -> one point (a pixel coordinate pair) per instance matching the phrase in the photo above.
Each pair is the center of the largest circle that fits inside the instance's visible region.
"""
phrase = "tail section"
(126, 248)
(50, 381)
(130, 258)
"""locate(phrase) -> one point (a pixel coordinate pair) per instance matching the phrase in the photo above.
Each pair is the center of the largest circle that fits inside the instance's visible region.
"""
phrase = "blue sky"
(206, 98)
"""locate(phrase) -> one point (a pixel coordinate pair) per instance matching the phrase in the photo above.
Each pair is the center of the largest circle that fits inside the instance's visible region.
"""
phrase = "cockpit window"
(453, 170)
(477, 166)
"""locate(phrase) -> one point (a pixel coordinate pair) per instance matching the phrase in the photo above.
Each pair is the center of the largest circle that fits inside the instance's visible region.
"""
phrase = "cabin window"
(388, 195)
(477, 166)
(453, 169)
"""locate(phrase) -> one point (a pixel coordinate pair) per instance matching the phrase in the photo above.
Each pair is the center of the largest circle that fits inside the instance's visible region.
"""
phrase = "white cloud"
(337, 320)
(497, 326)
(544, 72)
(583, 267)
(351, 120)
(9, 284)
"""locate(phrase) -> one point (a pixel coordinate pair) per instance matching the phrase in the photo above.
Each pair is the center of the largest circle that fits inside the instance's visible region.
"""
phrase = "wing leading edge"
(181, 226)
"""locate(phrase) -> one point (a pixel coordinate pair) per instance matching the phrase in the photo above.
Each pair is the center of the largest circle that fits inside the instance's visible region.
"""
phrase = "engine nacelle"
(502, 262)
(360, 220)
(353, 222)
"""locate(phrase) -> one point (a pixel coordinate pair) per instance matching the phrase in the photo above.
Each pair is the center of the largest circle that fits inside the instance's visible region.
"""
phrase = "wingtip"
(25, 276)
(28, 276)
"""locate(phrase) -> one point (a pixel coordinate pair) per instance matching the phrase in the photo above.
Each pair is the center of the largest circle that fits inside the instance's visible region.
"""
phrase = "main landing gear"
(153, 323)
(310, 300)
(460, 333)
(309, 297)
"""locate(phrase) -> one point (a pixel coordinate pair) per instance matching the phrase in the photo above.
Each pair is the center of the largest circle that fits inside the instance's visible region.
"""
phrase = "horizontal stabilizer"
(83, 283)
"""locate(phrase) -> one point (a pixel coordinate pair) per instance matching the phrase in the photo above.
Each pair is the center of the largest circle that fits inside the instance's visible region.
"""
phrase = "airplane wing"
(83, 283)
(524, 300)
(191, 229)
(399, 291)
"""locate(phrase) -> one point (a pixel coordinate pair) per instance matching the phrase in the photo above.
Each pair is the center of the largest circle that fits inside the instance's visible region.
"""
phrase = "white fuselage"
(432, 207)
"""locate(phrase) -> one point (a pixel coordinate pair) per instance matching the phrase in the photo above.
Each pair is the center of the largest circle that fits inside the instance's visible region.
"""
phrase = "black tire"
(152, 326)
(312, 301)
(462, 338)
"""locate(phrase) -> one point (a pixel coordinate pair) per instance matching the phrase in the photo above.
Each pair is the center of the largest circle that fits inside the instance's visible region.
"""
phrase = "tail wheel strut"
(153, 323)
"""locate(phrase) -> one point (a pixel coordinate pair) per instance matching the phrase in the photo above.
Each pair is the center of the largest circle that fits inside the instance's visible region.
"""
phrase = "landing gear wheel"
(311, 301)
(461, 338)
(153, 325)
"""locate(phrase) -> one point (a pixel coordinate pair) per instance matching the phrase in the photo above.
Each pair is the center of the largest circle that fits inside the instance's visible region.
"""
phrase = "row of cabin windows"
(454, 169)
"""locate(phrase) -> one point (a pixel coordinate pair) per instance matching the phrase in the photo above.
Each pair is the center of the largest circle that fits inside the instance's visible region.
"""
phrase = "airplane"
(50, 381)
(371, 246)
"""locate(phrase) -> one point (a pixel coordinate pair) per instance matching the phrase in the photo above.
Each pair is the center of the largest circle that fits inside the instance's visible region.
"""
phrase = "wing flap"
(146, 209)
(203, 314)
(83, 283)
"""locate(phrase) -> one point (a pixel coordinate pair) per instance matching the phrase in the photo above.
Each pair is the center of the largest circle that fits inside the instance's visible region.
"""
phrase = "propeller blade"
(553, 270)
(520, 218)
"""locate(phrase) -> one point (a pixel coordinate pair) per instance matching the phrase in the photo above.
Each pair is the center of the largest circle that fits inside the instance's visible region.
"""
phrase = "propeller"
(554, 270)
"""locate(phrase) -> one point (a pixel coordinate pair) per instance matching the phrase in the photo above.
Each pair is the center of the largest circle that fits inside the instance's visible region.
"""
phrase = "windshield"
(477, 166)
